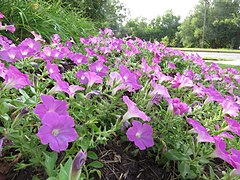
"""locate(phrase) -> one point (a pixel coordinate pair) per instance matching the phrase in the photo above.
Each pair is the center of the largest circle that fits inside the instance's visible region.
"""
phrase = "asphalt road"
(228, 58)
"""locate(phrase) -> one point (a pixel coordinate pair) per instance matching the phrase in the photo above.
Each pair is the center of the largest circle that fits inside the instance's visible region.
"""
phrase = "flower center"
(55, 132)
(138, 135)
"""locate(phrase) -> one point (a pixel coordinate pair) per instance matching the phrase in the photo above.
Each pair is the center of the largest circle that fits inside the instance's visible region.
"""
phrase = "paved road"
(233, 58)
(227, 56)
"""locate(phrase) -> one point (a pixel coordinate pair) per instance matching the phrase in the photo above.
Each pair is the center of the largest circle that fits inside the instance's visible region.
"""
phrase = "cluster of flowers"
(124, 74)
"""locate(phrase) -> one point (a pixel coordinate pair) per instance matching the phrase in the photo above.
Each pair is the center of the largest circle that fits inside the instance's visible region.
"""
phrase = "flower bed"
(58, 104)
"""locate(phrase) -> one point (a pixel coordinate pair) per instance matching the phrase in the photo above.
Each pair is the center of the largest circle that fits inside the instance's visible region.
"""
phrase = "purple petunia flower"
(99, 68)
(141, 135)
(92, 78)
(233, 125)
(230, 107)
(181, 81)
(57, 130)
(15, 79)
(77, 165)
(203, 135)
(133, 111)
(129, 78)
(179, 108)
(11, 54)
(51, 105)
(1, 15)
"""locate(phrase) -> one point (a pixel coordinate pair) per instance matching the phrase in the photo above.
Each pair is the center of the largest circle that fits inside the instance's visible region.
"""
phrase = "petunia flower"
(51, 105)
(77, 164)
(99, 68)
(92, 78)
(160, 90)
(15, 79)
(203, 135)
(230, 107)
(78, 58)
(11, 54)
(220, 150)
(233, 125)
(53, 71)
(181, 81)
(1, 15)
(177, 107)
(133, 111)
(129, 78)
(141, 135)
(57, 131)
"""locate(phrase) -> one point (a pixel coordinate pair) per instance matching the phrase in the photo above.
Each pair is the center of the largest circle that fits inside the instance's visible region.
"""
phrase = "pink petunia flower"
(51, 105)
(203, 135)
(1, 15)
(129, 78)
(160, 90)
(53, 71)
(141, 135)
(78, 58)
(181, 81)
(179, 108)
(88, 77)
(220, 150)
(99, 68)
(133, 111)
(57, 131)
(15, 79)
(37, 37)
(11, 54)
(230, 107)
(233, 125)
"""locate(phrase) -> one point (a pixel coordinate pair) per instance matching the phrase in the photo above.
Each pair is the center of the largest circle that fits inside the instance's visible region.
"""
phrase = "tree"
(222, 29)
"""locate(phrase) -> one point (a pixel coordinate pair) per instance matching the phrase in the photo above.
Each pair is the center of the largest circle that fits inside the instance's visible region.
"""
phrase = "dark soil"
(122, 165)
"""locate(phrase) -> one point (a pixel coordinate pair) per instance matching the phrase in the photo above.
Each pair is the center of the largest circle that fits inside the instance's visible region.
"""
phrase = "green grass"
(208, 50)
(215, 59)
(44, 18)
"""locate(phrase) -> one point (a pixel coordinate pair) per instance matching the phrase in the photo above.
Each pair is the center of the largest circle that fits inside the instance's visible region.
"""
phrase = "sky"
(152, 8)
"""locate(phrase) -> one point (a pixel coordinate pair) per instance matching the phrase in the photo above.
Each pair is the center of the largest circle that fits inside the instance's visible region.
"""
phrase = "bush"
(45, 19)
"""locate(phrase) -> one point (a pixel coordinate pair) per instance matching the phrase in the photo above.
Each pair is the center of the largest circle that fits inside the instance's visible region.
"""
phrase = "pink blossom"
(133, 110)
(230, 107)
(78, 58)
(1, 15)
(15, 79)
(179, 108)
(220, 150)
(159, 90)
(203, 135)
(141, 135)
(171, 65)
(57, 131)
(181, 81)
(53, 70)
(129, 78)
(92, 78)
(213, 95)
(11, 54)
(37, 37)
(116, 79)
(99, 68)
(51, 105)
(233, 125)
(81, 76)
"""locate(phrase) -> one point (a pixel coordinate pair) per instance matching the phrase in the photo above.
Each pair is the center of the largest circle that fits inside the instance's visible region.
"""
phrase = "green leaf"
(25, 95)
(173, 154)
(99, 173)
(4, 108)
(50, 161)
(92, 155)
(184, 168)
(236, 91)
(65, 170)
(96, 164)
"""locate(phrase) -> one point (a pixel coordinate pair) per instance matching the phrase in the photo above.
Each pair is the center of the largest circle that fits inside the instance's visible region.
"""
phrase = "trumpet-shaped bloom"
(179, 108)
(181, 81)
(15, 79)
(203, 135)
(233, 125)
(133, 110)
(230, 107)
(129, 78)
(51, 105)
(99, 68)
(141, 135)
(57, 130)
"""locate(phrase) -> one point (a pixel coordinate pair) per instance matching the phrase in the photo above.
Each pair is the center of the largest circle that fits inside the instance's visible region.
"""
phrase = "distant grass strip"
(224, 66)
(208, 50)
(216, 59)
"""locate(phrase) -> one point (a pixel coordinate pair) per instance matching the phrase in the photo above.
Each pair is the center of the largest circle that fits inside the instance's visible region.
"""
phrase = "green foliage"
(161, 27)
(44, 18)
(222, 28)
